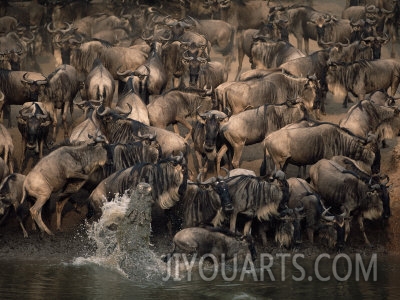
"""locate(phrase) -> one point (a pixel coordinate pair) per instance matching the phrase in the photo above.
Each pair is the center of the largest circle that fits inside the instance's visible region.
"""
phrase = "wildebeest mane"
(258, 196)
(127, 155)
(200, 205)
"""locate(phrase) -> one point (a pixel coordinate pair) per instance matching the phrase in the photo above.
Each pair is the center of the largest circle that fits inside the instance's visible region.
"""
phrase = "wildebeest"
(11, 195)
(118, 129)
(64, 171)
(252, 126)
(363, 77)
(130, 98)
(345, 192)
(267, 54)
(60, 88)
(365, 117)
(99, 84)
(6, 148)
(257, 197)
(274, 88)
(16, 91)
(211, 241)
(302, 194)
(175, 106)
(205, 203)
(34, 123)
(331, 29)
(306, 145)
(244, 14)
(299, 17)
(203, 73)
(204, 135)
(150, 78)
(168, 179)
(219, 33)
(112, 57)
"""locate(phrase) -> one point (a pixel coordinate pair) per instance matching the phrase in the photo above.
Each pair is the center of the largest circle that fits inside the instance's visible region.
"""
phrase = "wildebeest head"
(212, 123)
(33, 124)
(221, 188)
(340, 223)
(195, 63)
(382, 190)
(35, 86)
(288, 232)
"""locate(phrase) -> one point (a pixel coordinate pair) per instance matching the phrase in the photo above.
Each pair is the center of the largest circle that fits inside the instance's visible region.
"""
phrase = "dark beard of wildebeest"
(253, 125)
(211, 240)
(65, 170)
(306, 145)
(168, 179)
(34, 125)
(345, 192)
(204, 203)
(259, 197)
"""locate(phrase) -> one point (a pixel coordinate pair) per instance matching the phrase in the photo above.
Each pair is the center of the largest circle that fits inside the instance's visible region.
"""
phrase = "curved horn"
(124, 73)
(24, 77)
(185, 56)
(328, 218)
(1, 96)
(146, 38)
(122, 112)
(201, 59)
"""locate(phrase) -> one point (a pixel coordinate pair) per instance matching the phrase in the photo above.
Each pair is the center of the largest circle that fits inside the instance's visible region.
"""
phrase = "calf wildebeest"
(306, 145)
(205, 138)
(365, 117)
(257, 197)
(252, 126)
(168, 179)
(6, 148)
(99, 84)
(11, 194)
(342, 190)
(175, 106)
(211, 241)
(363, 77)
(118, 129)
(65, 170)
(34, 123)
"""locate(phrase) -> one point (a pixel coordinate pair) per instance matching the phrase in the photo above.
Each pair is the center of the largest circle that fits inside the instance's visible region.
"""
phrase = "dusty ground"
(73, 240)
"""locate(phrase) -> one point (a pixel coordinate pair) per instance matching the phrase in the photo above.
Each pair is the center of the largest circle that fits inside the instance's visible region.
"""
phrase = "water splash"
(122, 237)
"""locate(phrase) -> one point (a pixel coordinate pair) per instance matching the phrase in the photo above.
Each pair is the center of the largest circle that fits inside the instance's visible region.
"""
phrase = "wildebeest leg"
(64, 120)
(310, 234)
(220, 154)
(237, 154)
(21, 224)
(59, 208)
(185, 123)
(247, 227)
(361, 223)
(306, 45)
(36, 213)
(232, 225)
(5, 215)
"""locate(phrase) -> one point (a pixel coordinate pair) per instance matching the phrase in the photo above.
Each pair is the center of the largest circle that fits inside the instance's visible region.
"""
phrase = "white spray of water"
(122, 237)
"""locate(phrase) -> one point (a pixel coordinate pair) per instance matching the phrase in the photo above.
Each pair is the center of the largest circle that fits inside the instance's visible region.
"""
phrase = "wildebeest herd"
(138, 70)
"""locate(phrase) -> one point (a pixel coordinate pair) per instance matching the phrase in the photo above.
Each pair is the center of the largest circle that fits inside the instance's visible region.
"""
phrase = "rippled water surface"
(82, 279)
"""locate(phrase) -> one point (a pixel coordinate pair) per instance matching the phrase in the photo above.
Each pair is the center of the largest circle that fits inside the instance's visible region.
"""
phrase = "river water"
(125, 267)
(85, 280)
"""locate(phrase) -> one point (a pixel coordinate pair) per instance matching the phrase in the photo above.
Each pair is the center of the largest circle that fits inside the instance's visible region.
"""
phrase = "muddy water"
(40, 279)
